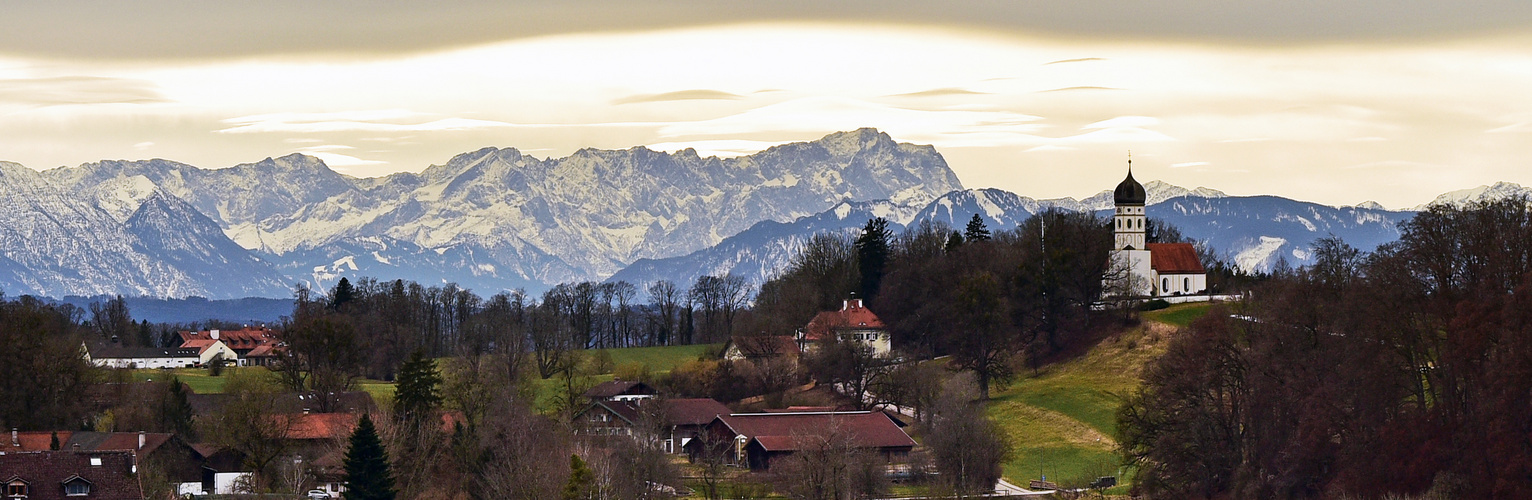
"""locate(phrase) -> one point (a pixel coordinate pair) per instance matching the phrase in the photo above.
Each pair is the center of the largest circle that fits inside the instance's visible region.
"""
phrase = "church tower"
(1128, 220)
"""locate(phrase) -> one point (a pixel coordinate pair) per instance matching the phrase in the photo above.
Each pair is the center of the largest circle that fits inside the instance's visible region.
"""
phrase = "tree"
(112, 321)
(324, 351)
(954, 241)
(247, 424)
(342, 294)
(975, 232)
(416, 394)
(966, 446)
(580, 480)
(980, 334)
(872, 255)
(367, 472)
(176, 412)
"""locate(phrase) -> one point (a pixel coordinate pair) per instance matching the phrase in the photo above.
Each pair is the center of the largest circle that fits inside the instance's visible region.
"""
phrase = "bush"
(634, 370)
(601, 362)
(1154, 305)
(215, 368)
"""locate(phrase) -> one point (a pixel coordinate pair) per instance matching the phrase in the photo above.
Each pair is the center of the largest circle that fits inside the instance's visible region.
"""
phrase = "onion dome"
(1130, 192)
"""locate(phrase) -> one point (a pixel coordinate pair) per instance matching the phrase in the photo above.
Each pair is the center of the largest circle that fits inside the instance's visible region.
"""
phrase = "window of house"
(16, 489)
(77, 488)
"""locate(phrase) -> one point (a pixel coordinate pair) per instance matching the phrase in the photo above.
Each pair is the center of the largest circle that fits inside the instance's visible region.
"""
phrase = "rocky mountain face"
(488, 220)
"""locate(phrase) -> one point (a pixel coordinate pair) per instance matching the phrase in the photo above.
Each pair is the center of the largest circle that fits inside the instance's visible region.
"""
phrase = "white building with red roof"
(853, 322)
(1152, 269)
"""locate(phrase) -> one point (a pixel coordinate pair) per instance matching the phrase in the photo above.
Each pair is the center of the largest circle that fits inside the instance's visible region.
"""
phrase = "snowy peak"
(1495, 192)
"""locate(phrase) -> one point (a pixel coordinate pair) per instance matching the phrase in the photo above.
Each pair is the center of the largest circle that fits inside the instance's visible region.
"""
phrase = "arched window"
(1165, 284)
(1140, 223)
(1186, 284)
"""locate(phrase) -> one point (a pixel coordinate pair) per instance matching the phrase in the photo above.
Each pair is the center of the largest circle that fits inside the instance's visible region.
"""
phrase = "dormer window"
(77, 487)
(16, 489)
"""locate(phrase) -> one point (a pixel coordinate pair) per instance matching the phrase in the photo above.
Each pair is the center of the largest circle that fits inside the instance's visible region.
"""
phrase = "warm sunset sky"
(1331, 101)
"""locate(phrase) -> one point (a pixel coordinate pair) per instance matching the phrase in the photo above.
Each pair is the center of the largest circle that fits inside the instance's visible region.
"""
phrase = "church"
(1153, 269)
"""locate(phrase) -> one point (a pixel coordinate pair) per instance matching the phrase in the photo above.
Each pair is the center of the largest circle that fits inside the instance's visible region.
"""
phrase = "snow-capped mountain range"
(497, 219)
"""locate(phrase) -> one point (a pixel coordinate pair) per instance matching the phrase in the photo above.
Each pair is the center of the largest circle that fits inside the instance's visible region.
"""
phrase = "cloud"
(65, 90)
(1076, 89)
(372, 121)
(819, 115)
(1082, 59)
(1049, 147)
(680, 95)
(949, 91)
(339, 160)
(721, 148)
(148, 29)
(1189, 164)
(1514, 127)
(142, 145)
(1124, 121)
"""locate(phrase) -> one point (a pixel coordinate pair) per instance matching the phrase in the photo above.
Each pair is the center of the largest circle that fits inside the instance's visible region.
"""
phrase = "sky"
(1337, 102)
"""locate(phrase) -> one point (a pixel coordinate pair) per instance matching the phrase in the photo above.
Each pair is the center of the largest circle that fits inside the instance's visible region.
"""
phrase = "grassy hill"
(1062, 418)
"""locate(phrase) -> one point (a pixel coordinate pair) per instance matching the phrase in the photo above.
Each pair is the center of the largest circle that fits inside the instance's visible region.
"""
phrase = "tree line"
(1400, 372)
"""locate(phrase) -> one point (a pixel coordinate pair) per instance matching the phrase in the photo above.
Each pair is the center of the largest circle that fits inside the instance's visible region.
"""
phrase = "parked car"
(318, 495)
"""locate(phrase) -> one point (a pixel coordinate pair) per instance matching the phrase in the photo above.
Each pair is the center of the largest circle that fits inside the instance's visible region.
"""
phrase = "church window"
(1186, 284)
(1165, 284)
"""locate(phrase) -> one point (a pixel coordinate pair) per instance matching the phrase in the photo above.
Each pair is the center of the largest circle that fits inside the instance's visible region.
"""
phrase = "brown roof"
(616, 388)
(783, 431)
(201, 345)
(109, 473)
(241, 339)
(1174, 258)
(114, 441)
(693, 411)
(320, 425)
(31, 441)
(852, 316)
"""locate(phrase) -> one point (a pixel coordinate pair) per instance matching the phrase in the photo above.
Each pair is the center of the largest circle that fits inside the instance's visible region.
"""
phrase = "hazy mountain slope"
(177, 234)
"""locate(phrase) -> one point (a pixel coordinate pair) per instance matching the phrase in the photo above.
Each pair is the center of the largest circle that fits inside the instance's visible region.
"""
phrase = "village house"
(678, 421)
(116, 355)
(257, 342)
(756, 440)
(854, 322)
(50, 475)
(164, 452)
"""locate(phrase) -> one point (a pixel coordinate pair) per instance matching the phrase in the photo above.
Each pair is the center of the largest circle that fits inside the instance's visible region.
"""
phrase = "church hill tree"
(976, 232)
(367, 474)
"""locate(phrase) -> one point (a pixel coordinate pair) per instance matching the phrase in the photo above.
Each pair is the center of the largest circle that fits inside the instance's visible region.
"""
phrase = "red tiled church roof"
(1174, 258)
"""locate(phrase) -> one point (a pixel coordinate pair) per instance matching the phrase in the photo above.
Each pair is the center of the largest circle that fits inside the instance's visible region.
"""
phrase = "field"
(1062, 418)
(659, 360)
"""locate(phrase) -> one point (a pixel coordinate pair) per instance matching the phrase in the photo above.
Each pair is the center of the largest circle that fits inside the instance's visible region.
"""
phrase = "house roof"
(1174, 258)
(765, 345)
(262, 351)
(320, 425)
(109, 473)
(31, 441)
(614, 388)
(201, 345)
(852, 316)
(114, 441)
(785, 431)
(241, 339)
(693, 411)
(119, 351)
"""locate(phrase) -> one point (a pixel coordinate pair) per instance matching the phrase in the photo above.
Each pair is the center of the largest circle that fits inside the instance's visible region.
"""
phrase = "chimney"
(141, 440)
(213, 334)
(15, 439)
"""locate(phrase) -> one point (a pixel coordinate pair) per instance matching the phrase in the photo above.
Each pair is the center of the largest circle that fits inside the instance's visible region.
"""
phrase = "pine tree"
(976, 231)
(176, 412)
(53, 444)
(367, 474)
(872, 255)
(580, 479)
(416, 394)
(342, 294)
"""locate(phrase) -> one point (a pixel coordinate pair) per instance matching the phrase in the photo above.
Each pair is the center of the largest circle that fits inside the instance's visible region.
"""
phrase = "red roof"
(1174, 258)
(109, 474)
(784, 431)
(244, 338)
(320, 425)
(693, 411)
(200, 345)
(87, 441)
(31, 441)
(852, 316)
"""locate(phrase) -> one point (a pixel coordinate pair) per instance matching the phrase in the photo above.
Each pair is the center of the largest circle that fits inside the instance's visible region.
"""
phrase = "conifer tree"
(416, 395)
(367, 473)
(580, 479)
(53, 443)
(976, 231)
(176, 412)
(872, 255)
(341, 294)
(954, 240)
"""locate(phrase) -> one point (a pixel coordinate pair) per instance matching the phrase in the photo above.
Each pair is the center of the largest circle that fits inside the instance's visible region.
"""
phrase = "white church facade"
(1152, 269)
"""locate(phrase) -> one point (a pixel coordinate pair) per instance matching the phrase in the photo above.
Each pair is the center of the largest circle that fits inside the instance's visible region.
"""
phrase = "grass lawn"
(660, 359)
(1062, 418)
